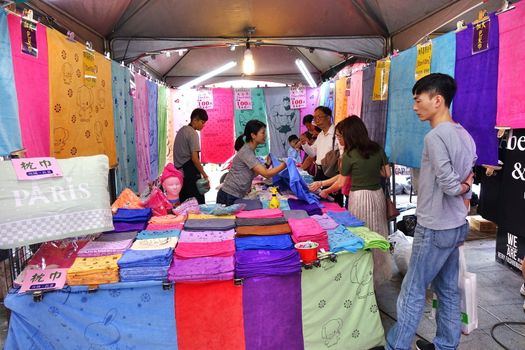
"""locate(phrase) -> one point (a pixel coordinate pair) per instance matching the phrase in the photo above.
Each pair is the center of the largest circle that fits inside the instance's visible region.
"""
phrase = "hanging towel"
(141, 124)
(10, 136)
(511, 68)
(373, 113)
(283, 121)
(152, 89)
(281, 316)
(475, 103)
(217, 138)
(33, 103)
(126, 171)
(258, 112)
(81, 108)
(215, 310)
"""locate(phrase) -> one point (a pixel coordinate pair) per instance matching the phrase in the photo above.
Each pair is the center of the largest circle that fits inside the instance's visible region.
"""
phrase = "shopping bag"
(469, 299)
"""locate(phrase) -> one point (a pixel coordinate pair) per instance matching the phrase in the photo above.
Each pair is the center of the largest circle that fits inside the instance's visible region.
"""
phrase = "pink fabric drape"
(32, 89)
(312, 101)
(355, 100)
(140, 110)
(217, 136)
(511, 96)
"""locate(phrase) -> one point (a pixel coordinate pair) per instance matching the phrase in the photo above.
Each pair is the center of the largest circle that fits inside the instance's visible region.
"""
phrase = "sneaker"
(424, 345)
(522, 289)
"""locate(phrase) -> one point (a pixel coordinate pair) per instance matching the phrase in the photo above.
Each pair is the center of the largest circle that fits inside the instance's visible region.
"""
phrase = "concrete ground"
(499, 300)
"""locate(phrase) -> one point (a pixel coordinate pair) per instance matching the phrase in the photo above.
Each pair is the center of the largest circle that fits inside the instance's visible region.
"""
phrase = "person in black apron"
(186, 150)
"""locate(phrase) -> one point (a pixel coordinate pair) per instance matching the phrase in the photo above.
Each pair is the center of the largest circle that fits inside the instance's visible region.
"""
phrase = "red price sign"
(205, 99)
(243, 99)
(297, 97)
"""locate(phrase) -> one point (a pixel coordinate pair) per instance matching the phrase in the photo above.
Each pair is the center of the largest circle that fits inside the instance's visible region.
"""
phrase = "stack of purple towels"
(204, 256)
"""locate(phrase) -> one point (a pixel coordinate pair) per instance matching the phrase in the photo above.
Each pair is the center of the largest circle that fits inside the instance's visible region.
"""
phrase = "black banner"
(480, 37)
(28, 28)
(510, 242)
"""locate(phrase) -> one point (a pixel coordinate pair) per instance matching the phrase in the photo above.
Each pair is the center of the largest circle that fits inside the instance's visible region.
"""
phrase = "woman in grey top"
(245, 166)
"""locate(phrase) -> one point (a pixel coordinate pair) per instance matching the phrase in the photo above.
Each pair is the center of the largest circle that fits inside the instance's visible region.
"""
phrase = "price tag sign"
(36, 168)
(43, 279)
(205, 99)
(297, 97)
(424, 56)
(90, 68)
(243, 99)
(380, 92)
(29, 43)
(480, 37)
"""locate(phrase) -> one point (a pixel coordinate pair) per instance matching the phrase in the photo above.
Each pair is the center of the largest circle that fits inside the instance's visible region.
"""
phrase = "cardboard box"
(480, 224)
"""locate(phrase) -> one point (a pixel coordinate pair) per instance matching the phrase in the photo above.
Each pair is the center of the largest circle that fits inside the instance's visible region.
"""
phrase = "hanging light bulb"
(248, 64)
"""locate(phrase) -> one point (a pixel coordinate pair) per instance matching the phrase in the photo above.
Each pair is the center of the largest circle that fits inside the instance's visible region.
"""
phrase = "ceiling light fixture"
(208, 75)
(232, 47)
(248, 64)
(300, 64)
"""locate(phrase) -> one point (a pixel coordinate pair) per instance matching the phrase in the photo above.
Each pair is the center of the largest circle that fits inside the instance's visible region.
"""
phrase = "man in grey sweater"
(449, 154)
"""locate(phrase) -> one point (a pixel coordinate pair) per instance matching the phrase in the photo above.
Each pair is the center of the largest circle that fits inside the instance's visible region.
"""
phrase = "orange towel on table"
(262, 230)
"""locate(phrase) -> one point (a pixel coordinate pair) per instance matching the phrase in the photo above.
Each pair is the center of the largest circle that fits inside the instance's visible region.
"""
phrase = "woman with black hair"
(245, 166)
(365, 162)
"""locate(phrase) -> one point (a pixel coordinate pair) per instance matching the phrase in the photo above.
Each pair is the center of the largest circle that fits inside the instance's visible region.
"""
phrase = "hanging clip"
(28, 15)
(460, 25)
(506, 7)
(108, 55)
(166, 285)
(89, 46)
(71, 36)
(38, 296)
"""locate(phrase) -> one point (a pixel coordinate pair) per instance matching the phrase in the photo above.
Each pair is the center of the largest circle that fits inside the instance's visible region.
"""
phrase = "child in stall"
(295, 147)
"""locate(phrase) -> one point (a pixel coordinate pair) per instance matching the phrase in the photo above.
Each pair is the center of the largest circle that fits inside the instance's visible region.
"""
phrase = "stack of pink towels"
(308, 229)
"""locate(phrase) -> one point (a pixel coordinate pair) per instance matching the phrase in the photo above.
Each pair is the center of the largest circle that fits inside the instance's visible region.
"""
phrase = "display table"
(336, 300)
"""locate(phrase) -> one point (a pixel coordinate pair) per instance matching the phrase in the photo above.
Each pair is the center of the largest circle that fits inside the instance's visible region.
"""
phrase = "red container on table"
(307, 251)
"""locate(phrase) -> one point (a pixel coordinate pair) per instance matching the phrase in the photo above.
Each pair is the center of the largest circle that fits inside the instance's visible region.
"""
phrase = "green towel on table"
(372, 239)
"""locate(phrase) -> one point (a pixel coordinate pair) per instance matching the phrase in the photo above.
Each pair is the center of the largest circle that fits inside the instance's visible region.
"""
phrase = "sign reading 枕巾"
(36, 168)
(43, 279)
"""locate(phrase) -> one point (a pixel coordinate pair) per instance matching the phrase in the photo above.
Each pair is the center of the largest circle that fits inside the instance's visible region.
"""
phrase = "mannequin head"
(171, 181)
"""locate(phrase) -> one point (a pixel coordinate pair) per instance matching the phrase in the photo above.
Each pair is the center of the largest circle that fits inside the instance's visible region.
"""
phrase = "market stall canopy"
(180, 40)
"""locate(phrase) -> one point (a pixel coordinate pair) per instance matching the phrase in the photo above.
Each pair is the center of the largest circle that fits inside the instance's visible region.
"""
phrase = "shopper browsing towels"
(365, 162)
(245, 165)
(186, 149)
(324, 143)
(444, 182)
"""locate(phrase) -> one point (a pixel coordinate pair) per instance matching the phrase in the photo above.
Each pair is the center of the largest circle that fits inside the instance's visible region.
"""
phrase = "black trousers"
(189, 187)
(320, 176)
